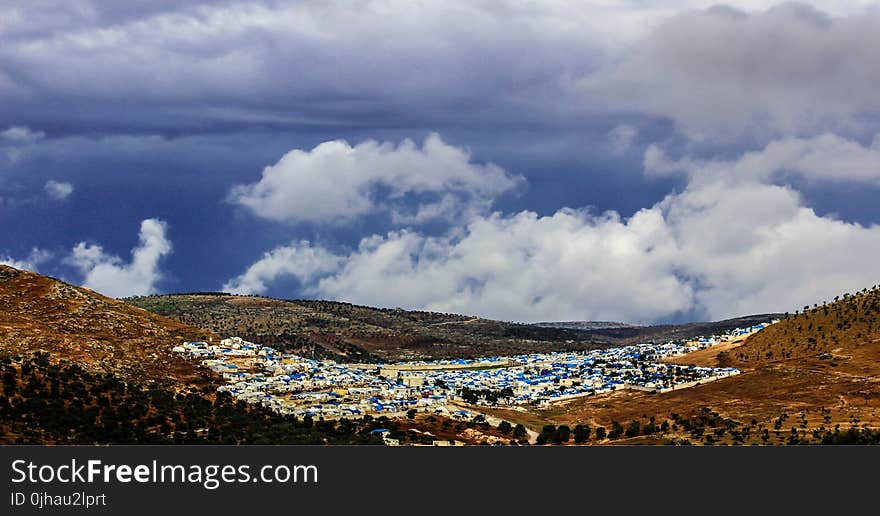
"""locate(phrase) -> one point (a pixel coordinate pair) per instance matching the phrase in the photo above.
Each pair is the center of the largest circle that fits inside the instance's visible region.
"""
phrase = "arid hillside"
(352, 333)
(812, 378)
(38, 313)
(843, 334)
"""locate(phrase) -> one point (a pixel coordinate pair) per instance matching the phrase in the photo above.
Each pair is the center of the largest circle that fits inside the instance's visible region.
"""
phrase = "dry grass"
(819, 369)
(38, 313)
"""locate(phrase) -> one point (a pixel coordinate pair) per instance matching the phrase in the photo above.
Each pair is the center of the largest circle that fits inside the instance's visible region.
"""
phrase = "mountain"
(584, 325)
(352, 333)
(623, 333)
(103, 335)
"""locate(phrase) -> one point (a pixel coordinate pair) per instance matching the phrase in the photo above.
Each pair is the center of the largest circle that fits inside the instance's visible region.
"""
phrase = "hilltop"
(585, 325)
(352, 333)
(103, 335)
(624, 333)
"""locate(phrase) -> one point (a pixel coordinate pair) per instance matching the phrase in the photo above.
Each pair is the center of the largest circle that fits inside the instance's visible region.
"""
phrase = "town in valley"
(456, 388)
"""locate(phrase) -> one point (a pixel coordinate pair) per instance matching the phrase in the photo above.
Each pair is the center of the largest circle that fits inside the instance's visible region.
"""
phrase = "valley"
(396, 376)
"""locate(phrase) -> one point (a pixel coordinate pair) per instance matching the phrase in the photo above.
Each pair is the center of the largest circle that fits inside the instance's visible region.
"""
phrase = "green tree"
(634, 429)
(546, 434)
(561, 435)
(616, 430)
(581, 433)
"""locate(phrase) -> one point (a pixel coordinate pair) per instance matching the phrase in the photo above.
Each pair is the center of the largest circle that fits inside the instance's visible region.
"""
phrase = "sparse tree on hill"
(561, 435)
(634, 429)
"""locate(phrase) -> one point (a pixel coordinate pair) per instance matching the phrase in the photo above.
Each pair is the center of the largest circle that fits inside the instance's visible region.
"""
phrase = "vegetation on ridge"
(352, 333)
(57, 402)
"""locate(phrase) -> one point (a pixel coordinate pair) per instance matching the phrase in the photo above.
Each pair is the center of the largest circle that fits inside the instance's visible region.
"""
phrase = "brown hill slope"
(846, 333)
(347, 332)
(38, 313)
(800, 379)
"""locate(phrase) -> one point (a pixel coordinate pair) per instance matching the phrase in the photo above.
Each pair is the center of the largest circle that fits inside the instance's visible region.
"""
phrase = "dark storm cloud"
(40, 18)
(723, 74)
(182, 67)
(168, 68)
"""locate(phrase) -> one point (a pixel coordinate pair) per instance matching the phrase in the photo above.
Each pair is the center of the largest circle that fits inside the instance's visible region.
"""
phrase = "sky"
(518, 160)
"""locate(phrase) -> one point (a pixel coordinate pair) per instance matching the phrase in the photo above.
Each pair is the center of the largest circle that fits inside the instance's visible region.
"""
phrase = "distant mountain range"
(585, 325)
(623, 333)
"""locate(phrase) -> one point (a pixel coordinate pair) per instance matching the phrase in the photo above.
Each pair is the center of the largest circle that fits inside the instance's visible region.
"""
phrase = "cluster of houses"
(305, 387)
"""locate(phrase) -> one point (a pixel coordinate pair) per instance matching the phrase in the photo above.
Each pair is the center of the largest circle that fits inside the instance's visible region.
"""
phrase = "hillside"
(80, 368)
(814, 377)
(51, 402)
(103, 335)
(352, 333)
(844, 334)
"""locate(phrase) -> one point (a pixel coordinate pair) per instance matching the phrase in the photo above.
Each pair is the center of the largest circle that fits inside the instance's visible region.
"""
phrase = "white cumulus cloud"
(336, 181)
(111, 276)
(825, 158)
(33, 260)
(58, 190)
(299, 259)
(523, 267)
(723, 247)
